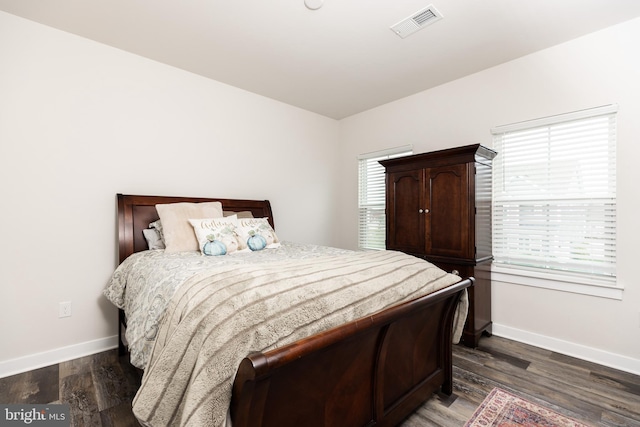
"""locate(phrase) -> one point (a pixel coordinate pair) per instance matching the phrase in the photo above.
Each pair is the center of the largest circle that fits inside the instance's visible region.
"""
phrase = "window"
(371, 197)
(554, 197)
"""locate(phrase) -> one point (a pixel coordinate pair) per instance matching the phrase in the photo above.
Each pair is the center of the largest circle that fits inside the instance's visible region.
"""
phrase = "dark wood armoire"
(438, 207)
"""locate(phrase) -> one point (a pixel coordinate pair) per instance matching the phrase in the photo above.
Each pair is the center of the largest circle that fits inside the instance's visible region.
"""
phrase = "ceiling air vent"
(417, 21)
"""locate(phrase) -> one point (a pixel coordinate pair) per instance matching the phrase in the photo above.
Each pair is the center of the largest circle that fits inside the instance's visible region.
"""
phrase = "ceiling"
(338, 60)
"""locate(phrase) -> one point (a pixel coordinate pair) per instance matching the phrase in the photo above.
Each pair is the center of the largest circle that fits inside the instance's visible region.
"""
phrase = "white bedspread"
(144, 283)
(219, 314)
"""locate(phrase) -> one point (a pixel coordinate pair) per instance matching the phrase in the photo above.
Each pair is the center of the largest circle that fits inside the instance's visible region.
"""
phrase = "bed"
(354, 368)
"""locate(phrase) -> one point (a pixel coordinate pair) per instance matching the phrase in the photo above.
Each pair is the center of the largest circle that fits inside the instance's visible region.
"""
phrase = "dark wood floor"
(99, 388)
(591, 393)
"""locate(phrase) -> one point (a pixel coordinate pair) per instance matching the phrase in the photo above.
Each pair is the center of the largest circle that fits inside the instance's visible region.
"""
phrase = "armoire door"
(448, 219)
(405, 211)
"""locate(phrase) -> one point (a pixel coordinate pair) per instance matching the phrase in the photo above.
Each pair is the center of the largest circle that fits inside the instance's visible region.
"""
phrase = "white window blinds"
(371, 197)
(554, 194)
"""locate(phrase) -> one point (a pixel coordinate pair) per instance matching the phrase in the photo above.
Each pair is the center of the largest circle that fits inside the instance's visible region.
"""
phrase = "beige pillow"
(241, 214)
(176, 229)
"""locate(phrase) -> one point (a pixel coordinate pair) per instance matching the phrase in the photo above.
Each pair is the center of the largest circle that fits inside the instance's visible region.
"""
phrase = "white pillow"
(216, 236)
(157, 225)
(153, 238)
(256, 234)
(178, 233)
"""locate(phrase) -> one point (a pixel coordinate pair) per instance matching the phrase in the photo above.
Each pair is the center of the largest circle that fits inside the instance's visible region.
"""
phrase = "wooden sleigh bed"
(372, 371)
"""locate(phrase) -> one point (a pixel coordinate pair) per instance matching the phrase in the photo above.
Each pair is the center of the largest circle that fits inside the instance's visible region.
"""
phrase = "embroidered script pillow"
(256, 234)
(216, 236)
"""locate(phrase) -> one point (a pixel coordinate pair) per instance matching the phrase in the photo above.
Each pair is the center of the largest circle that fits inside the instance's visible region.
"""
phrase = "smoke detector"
(417, 21)
(313, 4)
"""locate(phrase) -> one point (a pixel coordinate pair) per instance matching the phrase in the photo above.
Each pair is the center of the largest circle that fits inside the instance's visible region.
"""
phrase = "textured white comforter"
(219, 314)
(144, 283)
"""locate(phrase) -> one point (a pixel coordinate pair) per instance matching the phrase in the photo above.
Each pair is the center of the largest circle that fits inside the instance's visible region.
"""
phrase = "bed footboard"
(373, 371)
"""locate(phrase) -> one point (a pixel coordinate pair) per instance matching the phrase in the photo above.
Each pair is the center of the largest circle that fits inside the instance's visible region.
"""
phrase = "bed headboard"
(136, 212)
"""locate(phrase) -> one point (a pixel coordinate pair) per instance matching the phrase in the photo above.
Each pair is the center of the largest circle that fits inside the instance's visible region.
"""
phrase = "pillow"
(256, 234)
(216, 236)
(153, 238)
(157, 225)
(241, 214)
(178, 233)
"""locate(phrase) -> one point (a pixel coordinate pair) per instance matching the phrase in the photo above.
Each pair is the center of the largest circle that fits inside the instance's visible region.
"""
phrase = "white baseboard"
(612, 360)
(52, 357)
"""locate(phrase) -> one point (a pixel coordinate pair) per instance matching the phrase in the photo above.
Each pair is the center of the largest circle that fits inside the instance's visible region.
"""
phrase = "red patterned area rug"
(502, 409)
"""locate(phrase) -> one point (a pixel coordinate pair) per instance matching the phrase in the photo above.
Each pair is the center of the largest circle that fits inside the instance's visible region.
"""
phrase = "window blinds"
(371, 197)
(554, 194)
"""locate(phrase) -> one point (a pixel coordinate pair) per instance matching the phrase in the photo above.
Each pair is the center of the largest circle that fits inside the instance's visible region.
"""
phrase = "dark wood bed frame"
(374, 371)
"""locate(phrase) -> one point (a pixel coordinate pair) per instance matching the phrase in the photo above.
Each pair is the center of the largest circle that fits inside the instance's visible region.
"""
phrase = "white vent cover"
(417, 21)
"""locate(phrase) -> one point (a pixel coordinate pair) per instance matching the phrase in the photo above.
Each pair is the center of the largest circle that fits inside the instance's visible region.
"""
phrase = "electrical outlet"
(65, 309)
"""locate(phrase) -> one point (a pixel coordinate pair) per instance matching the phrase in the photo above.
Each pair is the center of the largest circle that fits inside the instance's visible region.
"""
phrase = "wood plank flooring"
(99, 388)
(591, 393)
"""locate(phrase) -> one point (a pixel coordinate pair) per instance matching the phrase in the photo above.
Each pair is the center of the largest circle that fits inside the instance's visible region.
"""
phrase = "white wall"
(598, 69)
(80, 122)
